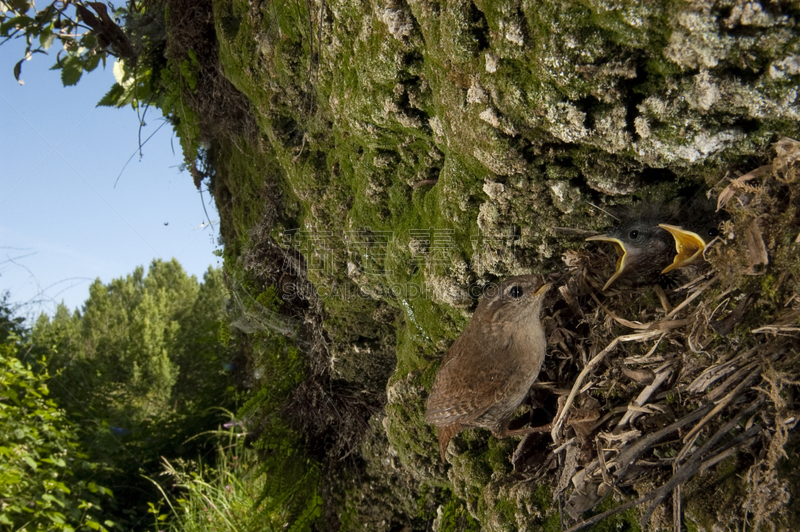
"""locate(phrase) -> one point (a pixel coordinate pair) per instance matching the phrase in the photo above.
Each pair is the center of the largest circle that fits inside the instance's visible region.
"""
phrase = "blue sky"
(62, 222)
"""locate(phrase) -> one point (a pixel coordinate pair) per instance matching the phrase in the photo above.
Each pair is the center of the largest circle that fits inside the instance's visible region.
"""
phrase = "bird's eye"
(634, 234)
(515, 292)
(713, 232)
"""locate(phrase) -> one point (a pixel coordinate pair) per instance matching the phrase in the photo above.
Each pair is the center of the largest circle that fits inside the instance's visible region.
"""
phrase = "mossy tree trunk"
(418, 150)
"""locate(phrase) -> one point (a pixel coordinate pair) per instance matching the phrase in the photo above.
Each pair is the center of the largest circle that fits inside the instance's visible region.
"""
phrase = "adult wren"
(489, 369)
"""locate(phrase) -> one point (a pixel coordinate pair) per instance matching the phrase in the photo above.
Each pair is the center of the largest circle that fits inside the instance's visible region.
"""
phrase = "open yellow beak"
(623, 254)
(689, 247)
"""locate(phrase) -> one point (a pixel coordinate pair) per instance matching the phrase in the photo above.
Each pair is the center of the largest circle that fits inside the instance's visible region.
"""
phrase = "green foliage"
(189, 69)
(292, 479)
(165, 90)
(67, 22)
(139, 79)
(121, 346)
(89, 33)
(45, 477)
(144, 370)
(215, 498)
(234, 495)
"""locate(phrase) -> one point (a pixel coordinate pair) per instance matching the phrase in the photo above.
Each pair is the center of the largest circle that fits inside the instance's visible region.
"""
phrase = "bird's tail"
(446, 433)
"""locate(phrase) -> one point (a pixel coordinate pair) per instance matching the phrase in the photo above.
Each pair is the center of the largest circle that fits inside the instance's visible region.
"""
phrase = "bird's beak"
(543, 290)
(622, 261)
(689, 247)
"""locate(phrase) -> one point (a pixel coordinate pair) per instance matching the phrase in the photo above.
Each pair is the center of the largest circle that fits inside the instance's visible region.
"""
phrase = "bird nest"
(660, 387)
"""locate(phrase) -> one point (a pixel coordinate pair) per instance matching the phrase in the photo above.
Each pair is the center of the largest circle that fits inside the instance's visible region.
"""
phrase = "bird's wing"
(468, 404)
(481, 382)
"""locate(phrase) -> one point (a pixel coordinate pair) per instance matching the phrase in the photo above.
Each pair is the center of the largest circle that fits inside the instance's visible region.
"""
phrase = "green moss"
(627, 520)
(186, 120)
(511, 506)
(526, 113)
(672, 398)
(709, 497)
(504, 512)
(246, 183)
(497, 455)
(543, 498)
(270, 299)
(456, 518)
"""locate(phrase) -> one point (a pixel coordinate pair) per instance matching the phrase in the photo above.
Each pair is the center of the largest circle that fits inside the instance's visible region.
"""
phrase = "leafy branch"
(88, 33)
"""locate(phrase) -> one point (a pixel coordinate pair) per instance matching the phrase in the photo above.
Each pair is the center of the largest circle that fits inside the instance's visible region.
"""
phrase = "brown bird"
(489, 369)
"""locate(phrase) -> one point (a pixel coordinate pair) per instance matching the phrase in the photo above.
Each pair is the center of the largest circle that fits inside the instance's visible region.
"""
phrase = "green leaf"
(113, 98)
(14, 23)
(91, 62)
(17, 72)
(28, 460)
(45, 14)
(51, 499)
(71, 71)
(70, 75)
(60, 486)
(46, 38)
(89, 41)
(21, 6)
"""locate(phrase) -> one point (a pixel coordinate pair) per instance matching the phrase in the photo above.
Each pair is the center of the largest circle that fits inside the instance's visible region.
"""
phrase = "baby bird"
(689, 246)
(643, 246)
(699, 226)
(489, 369)
(652, 239)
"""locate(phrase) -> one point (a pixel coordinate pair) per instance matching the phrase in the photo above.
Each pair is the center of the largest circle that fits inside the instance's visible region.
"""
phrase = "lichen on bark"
(426, 149)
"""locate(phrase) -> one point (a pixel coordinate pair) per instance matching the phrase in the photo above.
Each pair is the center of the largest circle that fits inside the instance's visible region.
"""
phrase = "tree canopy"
(141, 369)
(47, 481)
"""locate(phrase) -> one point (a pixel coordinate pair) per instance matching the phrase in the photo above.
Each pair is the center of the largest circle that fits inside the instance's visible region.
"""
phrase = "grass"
(221, 498)
(228, 496)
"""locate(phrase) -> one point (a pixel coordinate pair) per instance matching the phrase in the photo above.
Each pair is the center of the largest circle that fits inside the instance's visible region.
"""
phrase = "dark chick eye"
(634, 235)
(713, 232)
(515, 292)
